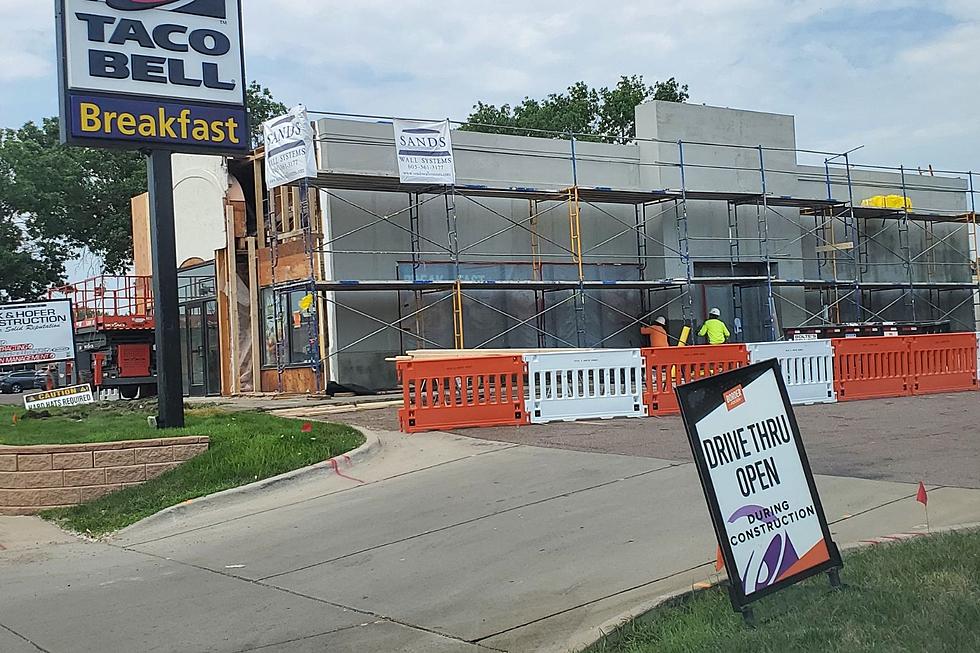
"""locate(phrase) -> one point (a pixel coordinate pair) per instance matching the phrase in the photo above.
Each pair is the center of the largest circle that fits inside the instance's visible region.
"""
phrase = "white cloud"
(850, 80)
(27, 40)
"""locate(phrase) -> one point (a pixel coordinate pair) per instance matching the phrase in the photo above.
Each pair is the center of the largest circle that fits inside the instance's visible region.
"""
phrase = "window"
(294, 327)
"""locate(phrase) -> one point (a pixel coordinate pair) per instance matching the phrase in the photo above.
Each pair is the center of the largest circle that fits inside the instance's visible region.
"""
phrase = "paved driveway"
(438, 543)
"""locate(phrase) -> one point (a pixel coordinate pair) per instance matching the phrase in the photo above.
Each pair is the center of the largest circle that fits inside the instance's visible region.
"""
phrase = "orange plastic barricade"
(872, 368)
(457, 393)
(669, 367)
(945, 362)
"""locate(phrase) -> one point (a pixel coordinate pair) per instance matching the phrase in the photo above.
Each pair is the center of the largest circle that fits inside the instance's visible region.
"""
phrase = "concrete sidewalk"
(439, 543)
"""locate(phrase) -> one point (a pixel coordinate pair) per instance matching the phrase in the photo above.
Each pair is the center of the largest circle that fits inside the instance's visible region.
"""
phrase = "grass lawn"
(245, 447)
(922, 595)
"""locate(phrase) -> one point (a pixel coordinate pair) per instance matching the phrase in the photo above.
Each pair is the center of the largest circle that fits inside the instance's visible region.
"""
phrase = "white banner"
(425, 152)
(41, 332)
(290, 154)
(60, 398)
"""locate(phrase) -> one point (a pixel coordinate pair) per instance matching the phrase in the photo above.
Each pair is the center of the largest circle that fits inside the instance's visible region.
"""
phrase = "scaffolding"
(849, 242)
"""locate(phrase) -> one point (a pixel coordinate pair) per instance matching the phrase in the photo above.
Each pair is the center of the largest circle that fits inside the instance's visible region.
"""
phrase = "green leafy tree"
(56, 200)
(69, 198)
(604, 114)
(25, 274)
(262, 106)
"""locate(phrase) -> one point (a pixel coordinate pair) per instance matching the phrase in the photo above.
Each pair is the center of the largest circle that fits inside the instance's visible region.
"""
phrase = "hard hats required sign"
(60, 398)
(153, 73)
(757, 481)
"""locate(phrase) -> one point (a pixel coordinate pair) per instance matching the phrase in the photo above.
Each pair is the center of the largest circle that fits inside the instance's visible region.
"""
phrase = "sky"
(897, 77)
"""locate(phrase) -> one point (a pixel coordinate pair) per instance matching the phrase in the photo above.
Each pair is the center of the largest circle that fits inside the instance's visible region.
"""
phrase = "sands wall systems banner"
(757, 480)
(425, 152)
(39, 332)
(163, 74)
(290, 154)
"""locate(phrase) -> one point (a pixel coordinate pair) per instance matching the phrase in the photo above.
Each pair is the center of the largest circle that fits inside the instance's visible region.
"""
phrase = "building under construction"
(553, 241)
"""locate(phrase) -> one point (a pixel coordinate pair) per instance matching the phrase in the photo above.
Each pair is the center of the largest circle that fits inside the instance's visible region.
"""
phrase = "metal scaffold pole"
(764, 248)
(453, 235)
(856, 251)
(734, 257)
(279, 326)
(905, 241)
(415, 226)
(537, 273)
(575, 228)
(975, 253)
(313, 346)
(640, 215)
(683, 242)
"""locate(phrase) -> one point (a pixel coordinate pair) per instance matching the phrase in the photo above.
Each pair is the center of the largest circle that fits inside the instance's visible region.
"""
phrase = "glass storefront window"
(295, 323)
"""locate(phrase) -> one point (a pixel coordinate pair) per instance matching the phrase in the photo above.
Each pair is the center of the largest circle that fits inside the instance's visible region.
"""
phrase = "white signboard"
(805, 337)
(40, 332)
(168, 72)
(60, 398)
(289, 151)
(425, 152)
(756, 478)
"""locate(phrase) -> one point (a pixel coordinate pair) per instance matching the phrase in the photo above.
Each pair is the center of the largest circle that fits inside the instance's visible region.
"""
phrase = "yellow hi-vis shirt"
(716, 331)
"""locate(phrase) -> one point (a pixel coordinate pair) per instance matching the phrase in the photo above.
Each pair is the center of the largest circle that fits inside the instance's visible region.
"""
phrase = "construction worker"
(715, 330)
(657, 332)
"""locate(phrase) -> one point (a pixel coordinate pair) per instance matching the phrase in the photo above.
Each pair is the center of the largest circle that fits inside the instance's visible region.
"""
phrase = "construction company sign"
(153, 73)
(425, 152)
(289, 152)
(36, 333)
(60, 398)
(757, 481)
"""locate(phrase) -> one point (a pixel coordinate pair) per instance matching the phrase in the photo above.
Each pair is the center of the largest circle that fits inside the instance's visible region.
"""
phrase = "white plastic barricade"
(808, 368)
(601, 383)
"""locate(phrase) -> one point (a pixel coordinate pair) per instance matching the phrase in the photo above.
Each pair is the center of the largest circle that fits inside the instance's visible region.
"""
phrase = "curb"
(609, 630)
(372, 445)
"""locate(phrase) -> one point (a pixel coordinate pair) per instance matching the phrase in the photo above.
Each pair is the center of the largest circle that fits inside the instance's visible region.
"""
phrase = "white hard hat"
(662, 321)
(715, 311)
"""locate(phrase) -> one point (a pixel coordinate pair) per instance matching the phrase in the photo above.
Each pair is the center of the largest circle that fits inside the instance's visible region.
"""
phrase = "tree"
(24, 274)
(261, 106)
(68, 198)
(56, 200)
(591, 114)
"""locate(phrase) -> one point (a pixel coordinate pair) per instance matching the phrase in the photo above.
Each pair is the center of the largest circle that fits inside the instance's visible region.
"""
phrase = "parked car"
(18, 382)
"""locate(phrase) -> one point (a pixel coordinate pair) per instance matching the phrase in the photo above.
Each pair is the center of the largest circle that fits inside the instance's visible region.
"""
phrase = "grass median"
(921, 595)
(245, 447)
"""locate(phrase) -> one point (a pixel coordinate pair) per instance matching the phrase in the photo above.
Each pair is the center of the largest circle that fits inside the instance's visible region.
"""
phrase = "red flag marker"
(921, 496)
(719, 561)
(15, 418)
(307, 428)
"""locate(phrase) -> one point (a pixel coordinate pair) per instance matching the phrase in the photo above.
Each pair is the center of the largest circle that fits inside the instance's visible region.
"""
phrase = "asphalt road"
(438, 543)
(931, 438)
(11, 400)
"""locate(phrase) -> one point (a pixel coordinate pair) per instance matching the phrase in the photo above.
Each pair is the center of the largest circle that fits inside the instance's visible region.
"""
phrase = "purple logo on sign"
(780, 555)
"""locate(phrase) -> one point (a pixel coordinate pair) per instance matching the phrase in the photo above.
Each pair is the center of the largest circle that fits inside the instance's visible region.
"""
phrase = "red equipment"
(114, 332)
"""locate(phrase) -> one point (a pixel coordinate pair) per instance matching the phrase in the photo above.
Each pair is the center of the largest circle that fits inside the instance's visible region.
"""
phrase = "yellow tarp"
(888, 202)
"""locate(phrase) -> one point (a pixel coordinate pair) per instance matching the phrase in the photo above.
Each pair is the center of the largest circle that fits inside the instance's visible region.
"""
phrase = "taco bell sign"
(166, 74)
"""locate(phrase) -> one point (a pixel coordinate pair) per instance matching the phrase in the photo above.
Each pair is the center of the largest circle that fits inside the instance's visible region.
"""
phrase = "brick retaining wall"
(39, 477)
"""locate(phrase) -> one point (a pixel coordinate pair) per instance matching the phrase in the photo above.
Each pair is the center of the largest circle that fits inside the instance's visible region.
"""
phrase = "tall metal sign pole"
(163, 77)
(170, 387)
